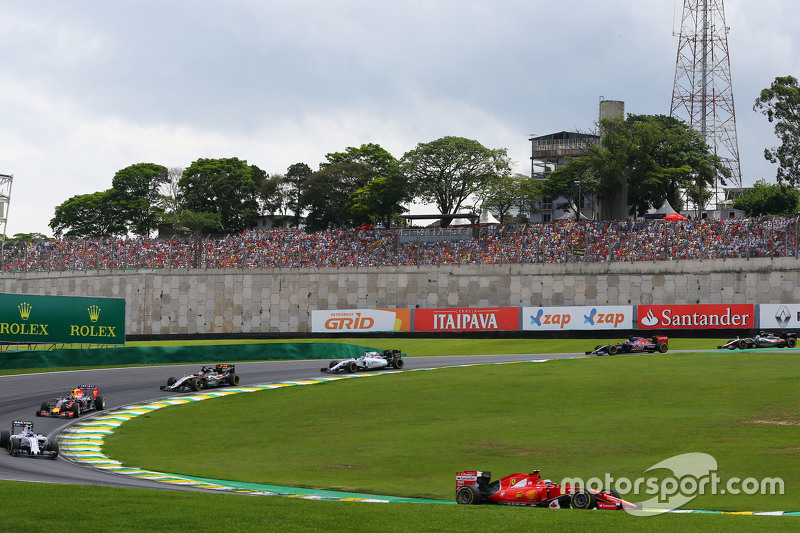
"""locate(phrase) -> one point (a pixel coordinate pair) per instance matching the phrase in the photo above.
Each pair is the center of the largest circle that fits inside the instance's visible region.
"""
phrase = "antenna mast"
(703, 94)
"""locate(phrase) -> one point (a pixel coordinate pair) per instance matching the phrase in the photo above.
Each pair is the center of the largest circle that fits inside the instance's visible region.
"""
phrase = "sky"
(89, 87)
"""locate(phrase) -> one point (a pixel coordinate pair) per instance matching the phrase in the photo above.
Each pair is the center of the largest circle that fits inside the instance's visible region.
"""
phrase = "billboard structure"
(61, 319)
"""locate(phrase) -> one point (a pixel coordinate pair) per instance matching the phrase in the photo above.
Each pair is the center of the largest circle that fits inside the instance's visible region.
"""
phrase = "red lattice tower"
(703, 94)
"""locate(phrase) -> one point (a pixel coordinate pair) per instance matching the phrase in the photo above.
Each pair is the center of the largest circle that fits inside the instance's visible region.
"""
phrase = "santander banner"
(485, 319)
(700, 316)
(577, 318)
(360, 320)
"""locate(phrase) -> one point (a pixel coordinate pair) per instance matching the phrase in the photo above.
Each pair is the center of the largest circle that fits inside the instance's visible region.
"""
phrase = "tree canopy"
(328, 191)
(768, 199)
(138, 190)
(89, 215)
(447, 171)
(638, 163)
(224, 186)
(780, 103)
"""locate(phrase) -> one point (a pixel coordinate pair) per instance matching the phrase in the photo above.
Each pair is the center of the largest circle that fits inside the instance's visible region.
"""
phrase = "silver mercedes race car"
(368, 361)
(209, 376)
(786, 339)
(22, 440)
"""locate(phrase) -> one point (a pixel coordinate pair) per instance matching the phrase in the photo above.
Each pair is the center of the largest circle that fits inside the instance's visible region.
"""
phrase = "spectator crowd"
(557, 242)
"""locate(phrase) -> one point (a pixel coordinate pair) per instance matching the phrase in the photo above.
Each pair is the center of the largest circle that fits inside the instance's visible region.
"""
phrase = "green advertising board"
(61, 319)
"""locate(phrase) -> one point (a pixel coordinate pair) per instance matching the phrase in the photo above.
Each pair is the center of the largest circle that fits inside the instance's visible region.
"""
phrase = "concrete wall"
(160, 302)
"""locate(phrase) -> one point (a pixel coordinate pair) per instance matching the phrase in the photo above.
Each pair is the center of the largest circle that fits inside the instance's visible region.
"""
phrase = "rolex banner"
(61, 319)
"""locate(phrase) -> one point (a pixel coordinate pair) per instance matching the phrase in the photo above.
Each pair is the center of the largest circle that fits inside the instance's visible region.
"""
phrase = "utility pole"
(702, 95)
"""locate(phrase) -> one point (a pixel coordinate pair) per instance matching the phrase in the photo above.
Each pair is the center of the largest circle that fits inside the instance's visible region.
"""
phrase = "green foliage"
(505, 194)
(574, 181)
(780, 103)
(766, 199)
(447, 171)
(641, 161)
(89, 215)
(328, 191)
(137, 190)
(224, 186)
(296, 175)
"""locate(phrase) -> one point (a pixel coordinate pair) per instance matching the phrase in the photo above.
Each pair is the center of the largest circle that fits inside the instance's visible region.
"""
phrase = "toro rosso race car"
(530, 490)
(368, 361)
(22, 440)
(659, 343)
(762, 340)
(82, 398)
(209, 376)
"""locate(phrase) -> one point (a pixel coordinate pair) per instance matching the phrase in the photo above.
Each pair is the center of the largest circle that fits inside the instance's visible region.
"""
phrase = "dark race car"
(368, 361)
(221, 375)
(81, 399)
(787, 339)
(22, 440)
(530, 490)
(659, 343)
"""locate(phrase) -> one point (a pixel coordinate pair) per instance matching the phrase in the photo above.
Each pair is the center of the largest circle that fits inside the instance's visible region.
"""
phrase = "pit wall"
(265, 301)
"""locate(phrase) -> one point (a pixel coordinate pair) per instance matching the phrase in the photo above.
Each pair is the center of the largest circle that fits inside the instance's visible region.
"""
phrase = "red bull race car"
(659, 343)
(81, 399)
(475, 487)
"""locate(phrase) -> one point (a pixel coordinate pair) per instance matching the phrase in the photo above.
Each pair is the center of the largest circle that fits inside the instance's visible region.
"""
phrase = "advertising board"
(779, 316)
(360, 320)
(61, 319)
(699, 316)
(577, 318)
(467, 319)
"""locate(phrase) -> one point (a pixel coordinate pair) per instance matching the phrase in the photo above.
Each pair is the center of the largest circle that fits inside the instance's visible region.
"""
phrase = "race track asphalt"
(22, 395)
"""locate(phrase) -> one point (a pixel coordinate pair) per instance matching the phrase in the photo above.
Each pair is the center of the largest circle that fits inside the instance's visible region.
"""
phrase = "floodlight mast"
(702, 94)
(6, 181)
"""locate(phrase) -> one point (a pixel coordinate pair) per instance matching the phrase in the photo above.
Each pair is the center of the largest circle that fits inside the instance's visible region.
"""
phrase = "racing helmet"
(77, 392)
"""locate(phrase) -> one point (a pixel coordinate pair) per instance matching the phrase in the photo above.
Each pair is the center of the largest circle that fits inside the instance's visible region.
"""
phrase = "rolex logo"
(94, 313)
(24, 310)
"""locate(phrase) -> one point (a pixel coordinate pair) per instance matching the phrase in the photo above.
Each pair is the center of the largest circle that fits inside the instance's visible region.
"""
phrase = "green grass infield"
(408, 434)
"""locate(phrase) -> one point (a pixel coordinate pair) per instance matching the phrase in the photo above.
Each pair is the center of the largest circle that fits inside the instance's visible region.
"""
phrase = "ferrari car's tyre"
(100, 403)
(5, 438)
(612, 350)
(195, 384)
(76, 409)
(172, 381)
(582, 499)
(45, 406)
(352, 366)
(742, 344)
(469, 495)
(54, 449)
(333, 363)
(791, 342)
(662, 347)
(398, 363)
(233, 379)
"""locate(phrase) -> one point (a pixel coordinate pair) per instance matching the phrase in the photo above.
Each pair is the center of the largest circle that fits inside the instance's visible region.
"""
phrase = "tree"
(328, 191)
(137, 196)
(780, 103)
(574, 181)
(224, 186)
(505, 194)
(89, 215)
(766, 199)
(643, 160)
(169, 200)
(449, 170)
(198, 222)
(296, 175)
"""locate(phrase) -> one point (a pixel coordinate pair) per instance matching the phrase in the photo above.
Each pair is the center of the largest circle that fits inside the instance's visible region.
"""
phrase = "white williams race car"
(22, 440)
(368, 361)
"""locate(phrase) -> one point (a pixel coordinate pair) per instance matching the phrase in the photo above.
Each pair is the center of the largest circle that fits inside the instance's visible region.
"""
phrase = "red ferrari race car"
(82, 398)
(530, 490)
(659, 343)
